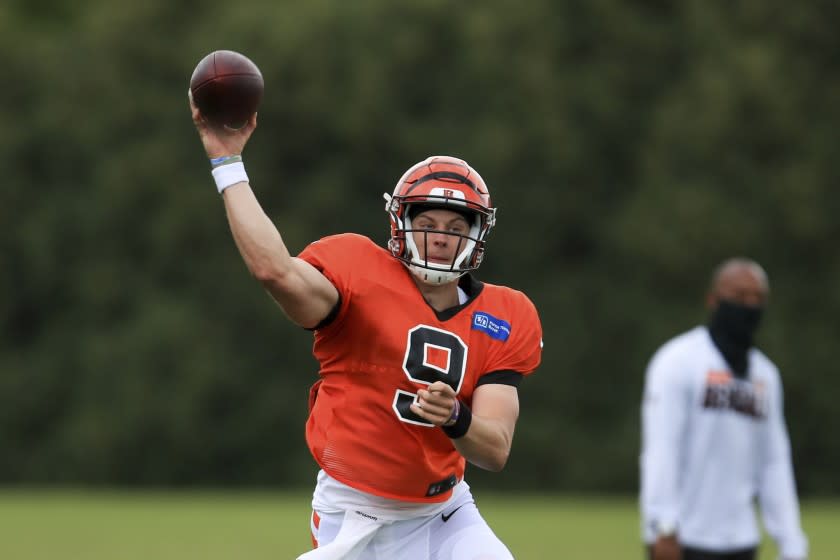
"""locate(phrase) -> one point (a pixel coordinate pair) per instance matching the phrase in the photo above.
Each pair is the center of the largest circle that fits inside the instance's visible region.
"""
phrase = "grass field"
(68, 525)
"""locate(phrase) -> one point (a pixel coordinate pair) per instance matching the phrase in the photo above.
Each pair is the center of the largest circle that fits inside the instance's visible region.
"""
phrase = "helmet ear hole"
(396, 247)
(396, 244)
(477, 257)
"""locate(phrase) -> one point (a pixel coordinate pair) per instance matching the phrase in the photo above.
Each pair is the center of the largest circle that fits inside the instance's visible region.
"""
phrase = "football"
(227, 87)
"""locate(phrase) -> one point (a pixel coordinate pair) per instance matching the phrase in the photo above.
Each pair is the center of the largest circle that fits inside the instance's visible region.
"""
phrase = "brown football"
(227, 87)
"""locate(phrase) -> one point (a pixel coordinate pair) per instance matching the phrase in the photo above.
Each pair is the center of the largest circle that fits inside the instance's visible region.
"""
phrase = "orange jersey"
(383, 345)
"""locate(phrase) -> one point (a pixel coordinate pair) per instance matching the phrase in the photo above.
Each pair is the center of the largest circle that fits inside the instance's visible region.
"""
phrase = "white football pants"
(459, 533)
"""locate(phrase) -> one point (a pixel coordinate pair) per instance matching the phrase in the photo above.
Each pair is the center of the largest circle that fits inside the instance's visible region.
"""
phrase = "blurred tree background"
(629, 146)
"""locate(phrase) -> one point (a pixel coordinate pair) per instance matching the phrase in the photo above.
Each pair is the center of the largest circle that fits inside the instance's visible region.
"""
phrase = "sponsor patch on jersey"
(496, 328)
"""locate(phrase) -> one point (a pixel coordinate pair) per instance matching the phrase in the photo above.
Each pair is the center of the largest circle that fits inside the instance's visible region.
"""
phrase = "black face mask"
(732, 327)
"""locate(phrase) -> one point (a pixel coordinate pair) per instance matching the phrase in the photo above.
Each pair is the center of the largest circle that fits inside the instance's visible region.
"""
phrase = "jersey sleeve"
(330, 256)
(665, 401)
(777, 487)
(522, 352)
(334, 257)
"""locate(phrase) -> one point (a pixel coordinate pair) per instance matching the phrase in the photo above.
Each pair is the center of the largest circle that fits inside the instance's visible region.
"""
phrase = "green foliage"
(629, 147)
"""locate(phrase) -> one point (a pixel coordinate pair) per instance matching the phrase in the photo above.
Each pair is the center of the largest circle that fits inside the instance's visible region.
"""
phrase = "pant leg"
(461, 533)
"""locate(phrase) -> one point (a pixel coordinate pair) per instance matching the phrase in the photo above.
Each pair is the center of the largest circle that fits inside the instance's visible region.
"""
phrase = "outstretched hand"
(221, 140)
(435, 404)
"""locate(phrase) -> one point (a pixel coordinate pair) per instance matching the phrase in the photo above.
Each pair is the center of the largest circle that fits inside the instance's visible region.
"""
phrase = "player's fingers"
(249, 126)
(441, 388)
(434, 406)
(419, 411)
(440, 399)
(246, 130)
(198, 119)
(437, 411)
(427, 414)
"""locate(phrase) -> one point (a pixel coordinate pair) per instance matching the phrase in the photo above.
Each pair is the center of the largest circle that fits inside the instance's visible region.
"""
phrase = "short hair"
(739, 262)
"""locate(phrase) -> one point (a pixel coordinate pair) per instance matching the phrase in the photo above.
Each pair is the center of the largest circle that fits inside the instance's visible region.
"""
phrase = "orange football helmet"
(440, 182)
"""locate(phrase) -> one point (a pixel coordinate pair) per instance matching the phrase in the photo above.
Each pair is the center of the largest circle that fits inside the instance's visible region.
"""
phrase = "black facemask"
(732, 327)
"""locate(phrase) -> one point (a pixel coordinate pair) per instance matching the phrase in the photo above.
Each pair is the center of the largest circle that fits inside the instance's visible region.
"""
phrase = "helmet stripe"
(443, 175)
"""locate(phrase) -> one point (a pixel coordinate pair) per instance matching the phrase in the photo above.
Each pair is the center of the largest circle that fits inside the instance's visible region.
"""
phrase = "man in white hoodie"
(714, 439)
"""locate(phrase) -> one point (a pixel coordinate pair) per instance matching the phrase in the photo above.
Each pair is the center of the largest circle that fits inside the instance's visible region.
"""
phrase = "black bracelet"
(462, 423)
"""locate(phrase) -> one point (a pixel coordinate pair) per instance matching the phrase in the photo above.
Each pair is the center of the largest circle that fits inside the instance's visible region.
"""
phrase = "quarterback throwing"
(419, 360)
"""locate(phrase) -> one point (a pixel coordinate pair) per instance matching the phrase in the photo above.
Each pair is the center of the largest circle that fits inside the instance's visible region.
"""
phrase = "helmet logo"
(449, 195)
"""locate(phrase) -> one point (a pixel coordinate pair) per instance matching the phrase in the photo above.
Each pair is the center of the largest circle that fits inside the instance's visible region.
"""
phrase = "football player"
(419, 360)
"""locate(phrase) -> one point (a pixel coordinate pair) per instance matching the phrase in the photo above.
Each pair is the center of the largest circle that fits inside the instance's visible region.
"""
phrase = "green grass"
(70, 525)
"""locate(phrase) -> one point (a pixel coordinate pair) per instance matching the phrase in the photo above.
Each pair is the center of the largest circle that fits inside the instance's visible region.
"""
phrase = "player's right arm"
(304, 294)
(663, 418)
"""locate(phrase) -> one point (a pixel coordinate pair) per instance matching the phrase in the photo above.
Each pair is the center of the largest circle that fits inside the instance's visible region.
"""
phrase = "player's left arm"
(495, 409)
(489, 434)
(777, 486)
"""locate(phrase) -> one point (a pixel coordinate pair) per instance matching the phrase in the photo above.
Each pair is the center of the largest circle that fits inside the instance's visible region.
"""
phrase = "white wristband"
(228, 175)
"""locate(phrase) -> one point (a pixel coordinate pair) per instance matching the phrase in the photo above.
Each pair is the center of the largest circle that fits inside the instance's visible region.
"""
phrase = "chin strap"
(432, 276)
